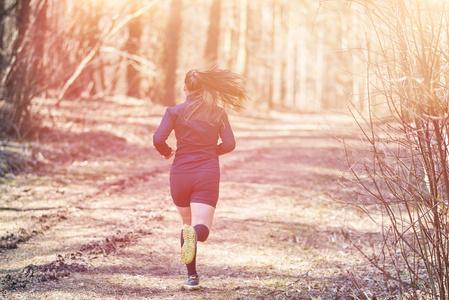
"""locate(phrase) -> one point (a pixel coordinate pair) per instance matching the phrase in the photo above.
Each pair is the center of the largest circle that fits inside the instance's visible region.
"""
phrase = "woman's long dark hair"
(211, 88)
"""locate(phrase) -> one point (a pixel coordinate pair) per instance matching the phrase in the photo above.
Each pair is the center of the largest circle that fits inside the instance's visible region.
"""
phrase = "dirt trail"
(98, 221)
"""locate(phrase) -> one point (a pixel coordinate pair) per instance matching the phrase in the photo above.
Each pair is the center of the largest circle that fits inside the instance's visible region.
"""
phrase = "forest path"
(105, 227)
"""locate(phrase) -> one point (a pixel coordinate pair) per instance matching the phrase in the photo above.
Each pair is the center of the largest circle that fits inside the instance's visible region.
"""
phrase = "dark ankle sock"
(202, 232)
(191, 268)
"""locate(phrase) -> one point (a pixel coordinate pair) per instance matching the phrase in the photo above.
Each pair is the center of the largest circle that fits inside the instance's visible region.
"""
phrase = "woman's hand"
(170, 155)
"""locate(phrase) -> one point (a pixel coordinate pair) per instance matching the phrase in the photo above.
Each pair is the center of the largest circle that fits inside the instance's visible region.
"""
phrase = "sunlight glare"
(107, 2)
(445, 2)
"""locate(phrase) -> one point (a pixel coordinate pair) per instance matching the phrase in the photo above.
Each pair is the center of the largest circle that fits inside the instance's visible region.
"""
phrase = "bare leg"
(197, 213)
(202, 214)
(186, 215)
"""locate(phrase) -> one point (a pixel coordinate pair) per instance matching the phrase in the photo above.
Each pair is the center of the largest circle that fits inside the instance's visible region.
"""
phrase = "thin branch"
(108, 33)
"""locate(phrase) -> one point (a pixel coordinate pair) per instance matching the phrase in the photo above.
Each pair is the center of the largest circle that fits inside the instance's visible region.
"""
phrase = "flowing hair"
(209, 89)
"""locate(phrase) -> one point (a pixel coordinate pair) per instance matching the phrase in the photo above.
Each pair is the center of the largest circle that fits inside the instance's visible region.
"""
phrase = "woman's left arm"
(161, 135)
(227, 137)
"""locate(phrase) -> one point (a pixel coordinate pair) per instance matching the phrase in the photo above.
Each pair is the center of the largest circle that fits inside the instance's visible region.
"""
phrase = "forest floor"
(93, 218)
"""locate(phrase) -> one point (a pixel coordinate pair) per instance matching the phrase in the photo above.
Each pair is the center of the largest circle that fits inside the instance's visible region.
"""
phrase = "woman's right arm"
(161, 135)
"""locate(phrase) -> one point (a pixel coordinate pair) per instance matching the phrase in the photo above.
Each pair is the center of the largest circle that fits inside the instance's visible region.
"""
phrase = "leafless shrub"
(406, 170)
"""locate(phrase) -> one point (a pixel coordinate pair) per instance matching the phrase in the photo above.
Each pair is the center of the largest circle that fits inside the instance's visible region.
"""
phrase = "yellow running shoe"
(189, 246)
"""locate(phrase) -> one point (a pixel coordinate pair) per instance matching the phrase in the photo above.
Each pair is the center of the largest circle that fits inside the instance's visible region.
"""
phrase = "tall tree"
(132, 48)
(242, 37)
(171, 52)
(278, 53)
(94, 75)
(319, 67)
(213, 34)
(290, 69)
(19, 81)
(229, 33)
(301, 74)
(2, 30)
(22, 23)
(39, 41)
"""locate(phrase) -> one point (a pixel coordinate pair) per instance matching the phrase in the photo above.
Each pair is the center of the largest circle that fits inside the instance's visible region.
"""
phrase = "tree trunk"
(213, 34)
(39, 42)
(319, 69)
(301, 60)
(243, 31)
(266, 84)
(2, 31)
(94, 74)
(19, 82)
(291, 59)
(277, 55)
(22, 21)
(132, 48)
(228, 44)
(171, 53)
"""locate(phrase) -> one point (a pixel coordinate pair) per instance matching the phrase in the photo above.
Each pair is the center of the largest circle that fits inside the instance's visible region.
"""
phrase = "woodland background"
(386, 60)
(300, 55)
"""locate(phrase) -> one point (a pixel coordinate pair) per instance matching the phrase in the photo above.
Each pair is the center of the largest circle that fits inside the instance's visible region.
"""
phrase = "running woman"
(199, 123)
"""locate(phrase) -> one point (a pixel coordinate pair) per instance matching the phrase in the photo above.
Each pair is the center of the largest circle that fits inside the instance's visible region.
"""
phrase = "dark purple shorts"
(201, 187)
